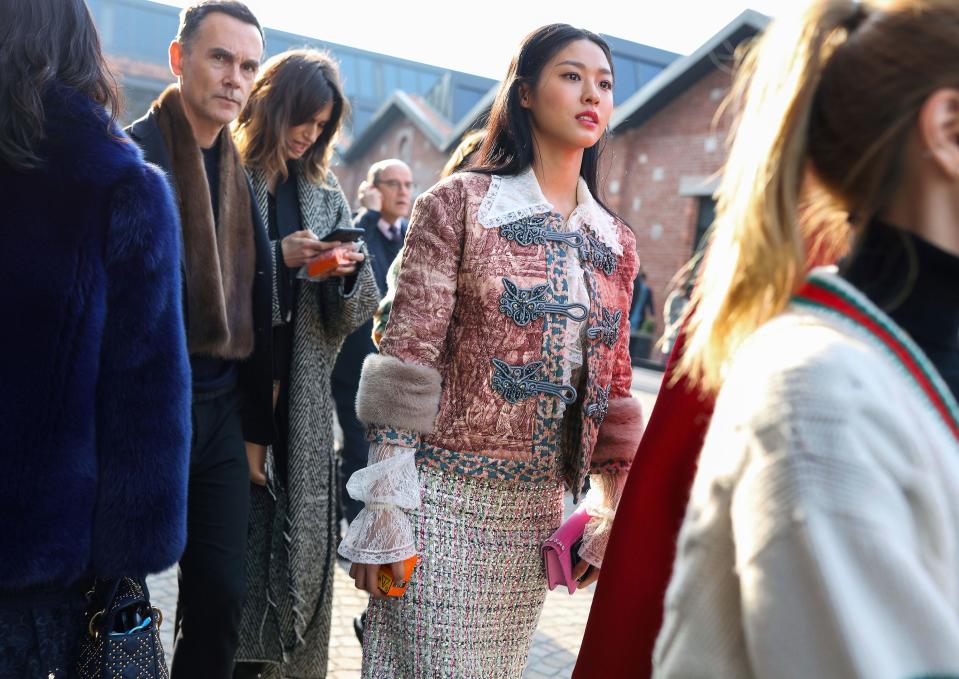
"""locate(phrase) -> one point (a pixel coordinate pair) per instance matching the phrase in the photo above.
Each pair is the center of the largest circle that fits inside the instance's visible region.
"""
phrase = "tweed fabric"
(475, 598)
(292, 543)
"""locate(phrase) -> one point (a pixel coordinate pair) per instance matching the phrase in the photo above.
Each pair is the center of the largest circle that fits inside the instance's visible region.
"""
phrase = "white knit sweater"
(822, 534)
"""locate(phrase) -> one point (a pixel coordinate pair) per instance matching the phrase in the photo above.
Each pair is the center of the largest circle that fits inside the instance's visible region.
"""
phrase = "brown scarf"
(220, 257)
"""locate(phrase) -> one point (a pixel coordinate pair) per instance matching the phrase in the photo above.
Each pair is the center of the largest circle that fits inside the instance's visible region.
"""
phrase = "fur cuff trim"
(397, 394)
(620, 433)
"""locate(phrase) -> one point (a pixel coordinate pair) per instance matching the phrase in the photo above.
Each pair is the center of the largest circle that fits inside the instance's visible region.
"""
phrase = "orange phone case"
(326, 262)
(385, 577)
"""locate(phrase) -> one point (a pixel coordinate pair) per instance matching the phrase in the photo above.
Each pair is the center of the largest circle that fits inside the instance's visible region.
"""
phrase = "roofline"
(659, 91)
(398, 103)
(469, 121)
(301, 39)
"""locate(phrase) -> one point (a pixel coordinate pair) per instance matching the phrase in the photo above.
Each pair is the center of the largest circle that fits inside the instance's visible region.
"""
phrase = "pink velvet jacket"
(471, 362)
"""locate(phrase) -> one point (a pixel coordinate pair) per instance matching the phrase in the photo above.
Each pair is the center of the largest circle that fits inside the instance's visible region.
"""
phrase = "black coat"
(256, 372)
(382, 252)
(95, 405)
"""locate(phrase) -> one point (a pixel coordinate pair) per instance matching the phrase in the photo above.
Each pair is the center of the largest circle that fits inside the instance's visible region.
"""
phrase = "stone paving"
(553, 653)
(558, 636)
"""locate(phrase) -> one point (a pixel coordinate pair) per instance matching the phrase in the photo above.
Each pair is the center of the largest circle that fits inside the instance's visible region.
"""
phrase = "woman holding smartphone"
(285, 136)
(502, 376)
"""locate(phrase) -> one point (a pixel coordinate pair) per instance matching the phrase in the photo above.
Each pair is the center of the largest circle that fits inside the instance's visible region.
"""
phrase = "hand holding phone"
(344, 235)
(370, 196)
(301, 247)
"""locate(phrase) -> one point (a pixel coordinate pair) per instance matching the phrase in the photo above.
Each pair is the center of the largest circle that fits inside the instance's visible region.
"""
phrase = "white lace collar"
(514, 197)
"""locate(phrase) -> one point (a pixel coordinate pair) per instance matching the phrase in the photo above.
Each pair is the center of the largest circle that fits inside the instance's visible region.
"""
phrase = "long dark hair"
(42, 41)
(290, 90)
(508, 149)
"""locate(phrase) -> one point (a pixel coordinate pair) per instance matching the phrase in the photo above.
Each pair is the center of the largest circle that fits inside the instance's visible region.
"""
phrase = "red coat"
(627, 607)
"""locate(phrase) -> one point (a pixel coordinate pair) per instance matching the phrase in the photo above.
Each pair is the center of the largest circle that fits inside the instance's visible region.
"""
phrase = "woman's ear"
(524, 95)
(939, 130)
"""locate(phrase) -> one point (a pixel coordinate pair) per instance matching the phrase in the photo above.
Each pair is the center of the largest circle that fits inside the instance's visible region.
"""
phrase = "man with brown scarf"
(226, 273)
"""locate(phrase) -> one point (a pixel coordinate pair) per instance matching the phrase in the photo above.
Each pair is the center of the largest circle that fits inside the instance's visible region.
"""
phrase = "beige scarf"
(220, 260)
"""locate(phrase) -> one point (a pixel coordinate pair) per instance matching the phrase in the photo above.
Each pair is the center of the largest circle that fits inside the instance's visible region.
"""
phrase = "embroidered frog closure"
(607, 330)
(598, 408)
(525, 305)
(517, 383)
(535, 230)
(595, 253)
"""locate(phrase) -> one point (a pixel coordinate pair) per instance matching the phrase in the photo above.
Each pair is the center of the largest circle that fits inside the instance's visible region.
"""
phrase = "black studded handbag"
(121, 639)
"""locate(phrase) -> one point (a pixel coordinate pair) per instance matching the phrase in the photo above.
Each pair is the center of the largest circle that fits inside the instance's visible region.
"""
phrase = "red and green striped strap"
(823, 293)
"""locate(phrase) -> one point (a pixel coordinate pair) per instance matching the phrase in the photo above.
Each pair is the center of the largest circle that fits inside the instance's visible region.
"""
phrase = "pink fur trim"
(620, 433)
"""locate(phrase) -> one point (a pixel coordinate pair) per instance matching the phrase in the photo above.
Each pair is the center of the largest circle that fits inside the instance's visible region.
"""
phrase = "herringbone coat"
(292, 543)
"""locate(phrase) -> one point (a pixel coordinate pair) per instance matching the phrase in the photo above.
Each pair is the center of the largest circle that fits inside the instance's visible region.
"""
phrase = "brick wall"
(650, 165)
(403, 140)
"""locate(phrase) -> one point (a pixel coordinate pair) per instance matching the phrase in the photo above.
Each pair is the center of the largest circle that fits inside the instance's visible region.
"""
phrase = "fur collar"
(81, 143)
(220, 256)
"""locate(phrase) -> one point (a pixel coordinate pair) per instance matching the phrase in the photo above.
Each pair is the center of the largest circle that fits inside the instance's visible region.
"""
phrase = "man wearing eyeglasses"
(386, 198)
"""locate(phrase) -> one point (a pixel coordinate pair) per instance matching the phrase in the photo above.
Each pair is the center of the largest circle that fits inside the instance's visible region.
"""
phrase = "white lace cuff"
(600, 502)
(379, 534)
(382, 532)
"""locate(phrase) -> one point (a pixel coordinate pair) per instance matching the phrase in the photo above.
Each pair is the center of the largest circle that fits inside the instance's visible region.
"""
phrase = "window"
(404, 145)
(704, 220)
(426, 82)
(464, 100)
(647, 72)
(361, 118)
(408, 81)
(624, 82)
(391, 79)
(348, 74)
(364, 80)
(137, 32)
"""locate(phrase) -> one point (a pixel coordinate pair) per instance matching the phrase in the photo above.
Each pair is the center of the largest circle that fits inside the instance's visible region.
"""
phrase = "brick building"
(136, 34)
(406, 127)
(667, 146)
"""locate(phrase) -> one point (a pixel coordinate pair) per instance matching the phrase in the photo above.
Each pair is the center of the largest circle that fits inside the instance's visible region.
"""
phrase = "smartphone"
(346, 235)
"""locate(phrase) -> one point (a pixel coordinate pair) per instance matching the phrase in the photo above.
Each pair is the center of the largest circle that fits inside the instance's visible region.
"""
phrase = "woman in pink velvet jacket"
(502, 377)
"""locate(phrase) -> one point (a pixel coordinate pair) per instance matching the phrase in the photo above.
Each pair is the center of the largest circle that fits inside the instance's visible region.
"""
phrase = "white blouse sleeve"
(382, 533)
(600, 502)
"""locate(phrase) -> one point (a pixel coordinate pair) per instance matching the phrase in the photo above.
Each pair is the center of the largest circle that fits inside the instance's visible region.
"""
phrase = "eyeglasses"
(395, 184)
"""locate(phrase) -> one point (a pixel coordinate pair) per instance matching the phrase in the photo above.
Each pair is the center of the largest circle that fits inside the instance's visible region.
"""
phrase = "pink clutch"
(558, 551)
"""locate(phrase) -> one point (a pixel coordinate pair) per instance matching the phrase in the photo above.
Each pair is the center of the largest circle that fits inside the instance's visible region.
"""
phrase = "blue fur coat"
(94, 376)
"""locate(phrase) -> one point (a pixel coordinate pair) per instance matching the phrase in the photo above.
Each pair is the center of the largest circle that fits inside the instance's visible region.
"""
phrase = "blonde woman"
(822, 534)
(285, 136)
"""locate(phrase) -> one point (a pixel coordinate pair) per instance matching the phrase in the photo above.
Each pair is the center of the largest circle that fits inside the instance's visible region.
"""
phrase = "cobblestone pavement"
(553, 653)
(557, 639)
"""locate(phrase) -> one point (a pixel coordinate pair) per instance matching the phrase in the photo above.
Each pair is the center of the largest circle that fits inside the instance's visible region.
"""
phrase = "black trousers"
(355, 446)
(212, 572)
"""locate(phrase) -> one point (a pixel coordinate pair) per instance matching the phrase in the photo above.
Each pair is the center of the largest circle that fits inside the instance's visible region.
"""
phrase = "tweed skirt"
(474, 600)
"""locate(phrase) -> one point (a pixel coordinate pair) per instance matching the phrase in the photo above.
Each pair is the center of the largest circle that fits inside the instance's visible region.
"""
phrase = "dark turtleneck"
(917, 285)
